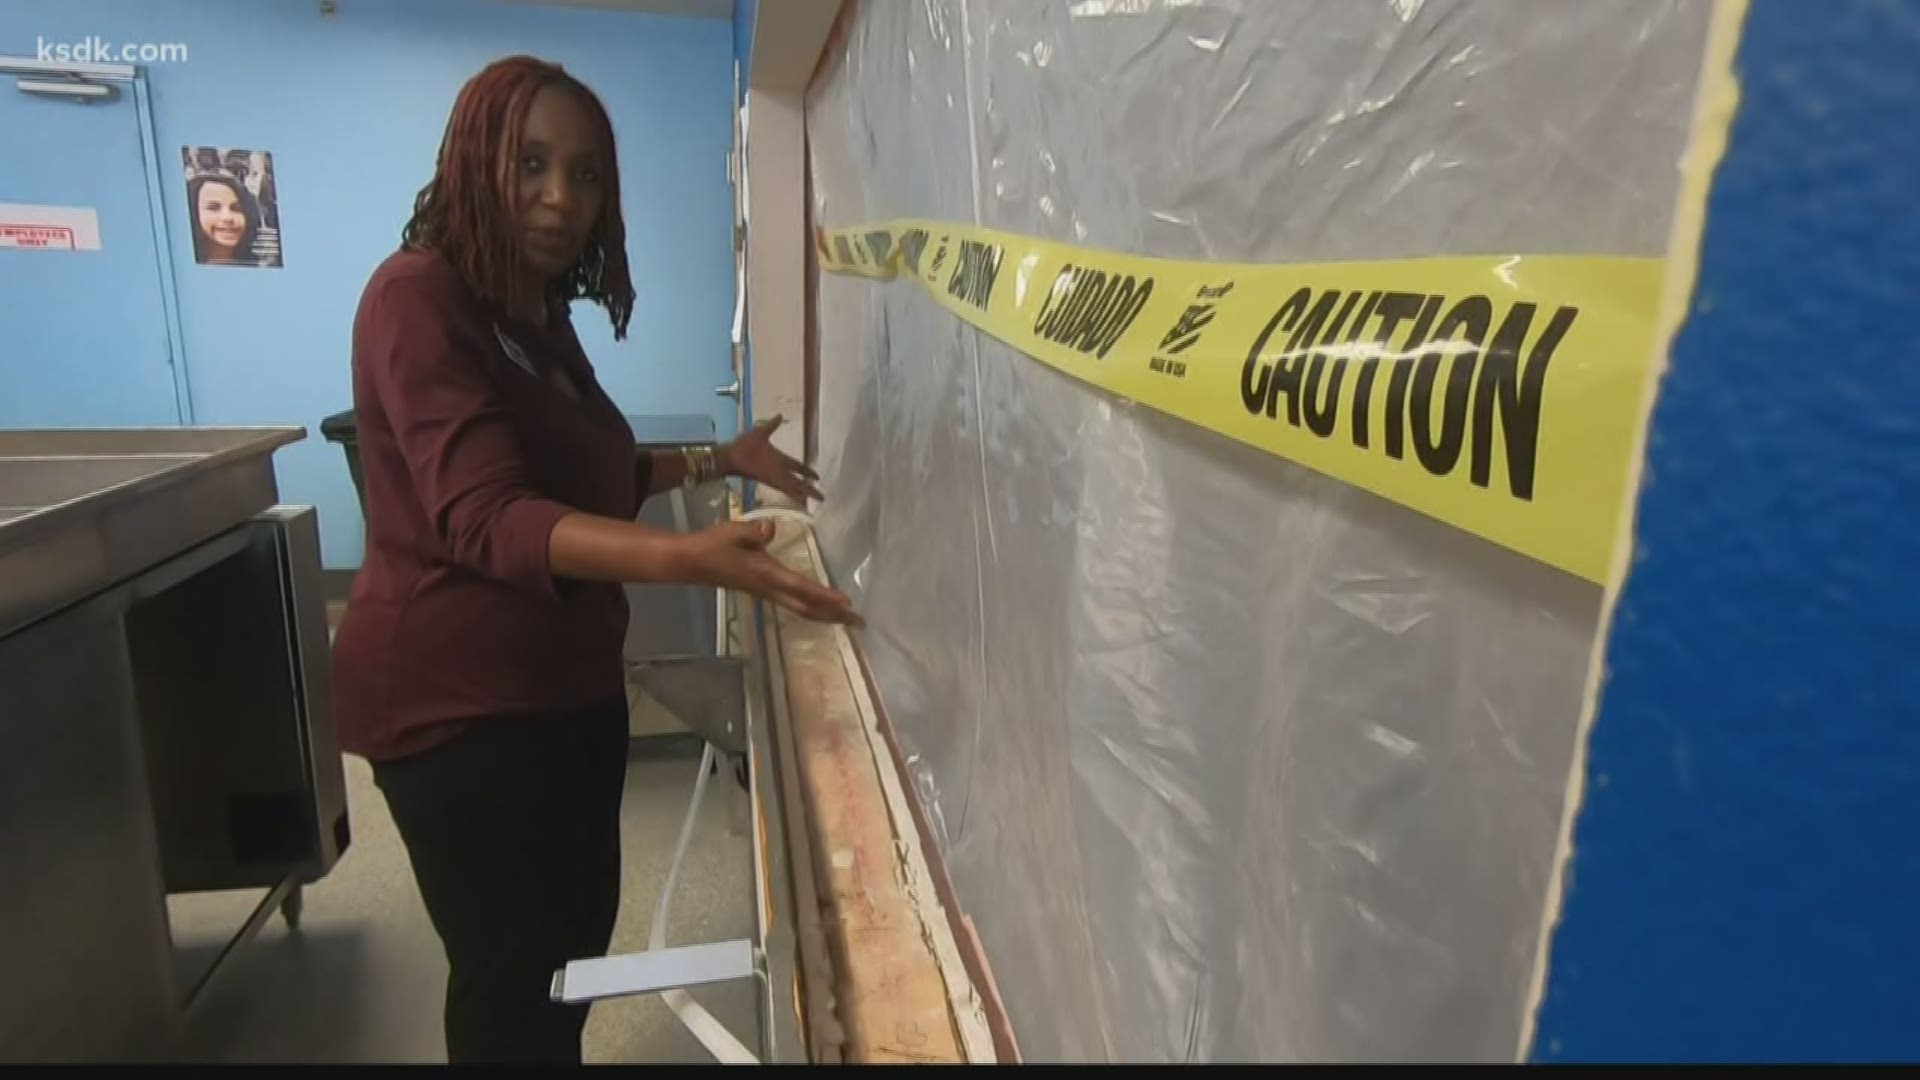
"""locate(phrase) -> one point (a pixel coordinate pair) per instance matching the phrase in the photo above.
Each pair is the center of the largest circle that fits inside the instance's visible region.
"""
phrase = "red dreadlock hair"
(466, 211)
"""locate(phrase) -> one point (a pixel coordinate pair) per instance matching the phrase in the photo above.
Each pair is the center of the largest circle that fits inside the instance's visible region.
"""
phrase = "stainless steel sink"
(110, 442)
(30, 483)
(677, 647)
(81, 509)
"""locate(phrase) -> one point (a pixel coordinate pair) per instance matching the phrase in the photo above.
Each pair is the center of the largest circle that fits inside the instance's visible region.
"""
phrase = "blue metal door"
(83, 334)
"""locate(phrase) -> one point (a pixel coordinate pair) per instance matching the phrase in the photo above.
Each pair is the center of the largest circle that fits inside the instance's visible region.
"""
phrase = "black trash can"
(344, 429)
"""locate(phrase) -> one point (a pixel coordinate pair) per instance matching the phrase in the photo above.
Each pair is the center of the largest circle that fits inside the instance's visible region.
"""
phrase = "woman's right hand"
(733, 555)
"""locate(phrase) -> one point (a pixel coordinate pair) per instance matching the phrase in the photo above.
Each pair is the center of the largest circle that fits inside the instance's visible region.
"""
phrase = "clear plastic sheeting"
(1228, 760)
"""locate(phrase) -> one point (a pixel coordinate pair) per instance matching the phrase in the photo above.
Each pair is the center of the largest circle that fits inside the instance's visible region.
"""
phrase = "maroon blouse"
(469, 455)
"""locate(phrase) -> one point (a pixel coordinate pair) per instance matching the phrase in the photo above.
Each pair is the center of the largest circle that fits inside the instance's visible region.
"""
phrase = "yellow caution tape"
(1500, 394)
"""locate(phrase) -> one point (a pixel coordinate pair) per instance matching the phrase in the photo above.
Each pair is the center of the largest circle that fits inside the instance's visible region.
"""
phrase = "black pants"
(513, 828)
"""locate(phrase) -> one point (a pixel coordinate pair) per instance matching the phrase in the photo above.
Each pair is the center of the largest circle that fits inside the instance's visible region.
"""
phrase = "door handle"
(731, 390)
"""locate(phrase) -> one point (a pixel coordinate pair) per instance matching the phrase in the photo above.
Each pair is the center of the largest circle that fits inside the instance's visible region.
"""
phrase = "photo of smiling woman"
(230, 206)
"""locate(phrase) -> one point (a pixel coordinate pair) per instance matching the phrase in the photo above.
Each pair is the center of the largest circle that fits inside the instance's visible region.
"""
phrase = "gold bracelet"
(702, 466)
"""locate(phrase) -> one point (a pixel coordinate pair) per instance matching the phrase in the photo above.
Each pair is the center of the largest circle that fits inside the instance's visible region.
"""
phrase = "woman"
(479, 664)
(225, 219)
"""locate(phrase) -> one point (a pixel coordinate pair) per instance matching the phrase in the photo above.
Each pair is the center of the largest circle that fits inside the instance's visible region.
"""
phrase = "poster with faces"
(232, 207)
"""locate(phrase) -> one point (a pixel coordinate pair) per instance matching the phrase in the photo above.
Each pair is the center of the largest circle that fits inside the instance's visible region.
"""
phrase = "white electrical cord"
(712, 1034)
(786, 513)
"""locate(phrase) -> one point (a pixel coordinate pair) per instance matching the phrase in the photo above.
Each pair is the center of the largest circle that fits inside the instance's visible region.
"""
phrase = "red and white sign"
(49, 228)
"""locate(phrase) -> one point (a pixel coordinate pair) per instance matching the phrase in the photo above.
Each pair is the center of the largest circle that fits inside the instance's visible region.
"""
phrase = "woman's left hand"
(753, 456)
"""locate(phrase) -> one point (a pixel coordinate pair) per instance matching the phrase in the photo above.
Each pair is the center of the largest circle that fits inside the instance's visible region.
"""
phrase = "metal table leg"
(283, 897)
(293, 905)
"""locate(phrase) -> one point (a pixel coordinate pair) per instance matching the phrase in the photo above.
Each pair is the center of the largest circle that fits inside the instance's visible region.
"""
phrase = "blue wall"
(1746, 878)
(352, 107)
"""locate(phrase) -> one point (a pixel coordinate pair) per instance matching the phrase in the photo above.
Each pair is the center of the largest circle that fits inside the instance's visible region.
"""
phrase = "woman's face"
(222, 217)
(560, 172)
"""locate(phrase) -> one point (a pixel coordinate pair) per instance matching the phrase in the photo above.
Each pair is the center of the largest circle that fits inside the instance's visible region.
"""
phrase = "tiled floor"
(361, 981)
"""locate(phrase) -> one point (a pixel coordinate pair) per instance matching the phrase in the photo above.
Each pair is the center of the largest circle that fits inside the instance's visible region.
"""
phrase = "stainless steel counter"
(165, 720)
